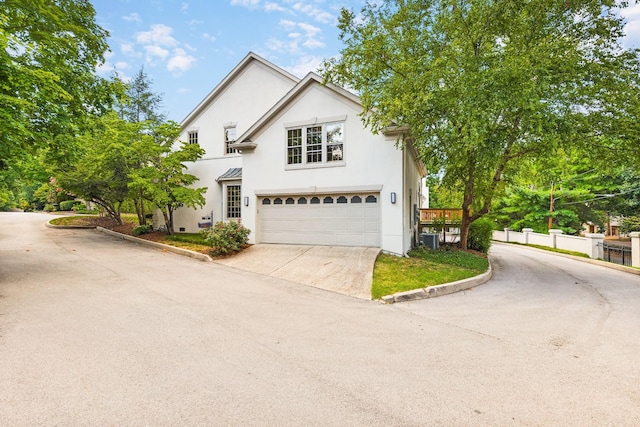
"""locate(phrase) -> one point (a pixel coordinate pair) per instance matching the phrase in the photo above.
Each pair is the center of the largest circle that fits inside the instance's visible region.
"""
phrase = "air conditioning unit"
(430, 240)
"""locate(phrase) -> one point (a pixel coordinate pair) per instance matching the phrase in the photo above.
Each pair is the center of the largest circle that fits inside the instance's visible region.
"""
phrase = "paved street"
(99, 331)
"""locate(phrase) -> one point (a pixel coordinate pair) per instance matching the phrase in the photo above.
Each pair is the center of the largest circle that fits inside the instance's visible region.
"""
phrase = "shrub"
(68, 205)
(226, 237)
(49, 208)
(142, 229)
(480, 234)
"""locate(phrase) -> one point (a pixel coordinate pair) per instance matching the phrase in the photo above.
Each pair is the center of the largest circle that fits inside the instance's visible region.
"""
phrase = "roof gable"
(230, 78)
(309, 80)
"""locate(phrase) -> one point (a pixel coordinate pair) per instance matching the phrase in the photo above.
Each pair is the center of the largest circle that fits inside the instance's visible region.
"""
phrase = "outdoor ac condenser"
(430, 240)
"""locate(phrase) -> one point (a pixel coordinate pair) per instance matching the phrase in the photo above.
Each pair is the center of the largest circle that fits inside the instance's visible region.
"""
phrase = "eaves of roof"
(229, 78)
(309, 80)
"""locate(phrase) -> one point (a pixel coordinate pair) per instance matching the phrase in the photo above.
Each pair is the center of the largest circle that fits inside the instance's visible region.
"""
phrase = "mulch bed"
(126, 228)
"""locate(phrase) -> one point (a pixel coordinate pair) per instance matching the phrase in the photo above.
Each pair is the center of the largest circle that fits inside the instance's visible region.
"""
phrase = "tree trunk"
(139, 205)
(167, 213)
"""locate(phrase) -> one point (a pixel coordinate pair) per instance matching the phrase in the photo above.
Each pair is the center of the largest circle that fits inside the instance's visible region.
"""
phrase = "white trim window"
(233, 208)
(193, 137)
(229, 139)
(315, 145)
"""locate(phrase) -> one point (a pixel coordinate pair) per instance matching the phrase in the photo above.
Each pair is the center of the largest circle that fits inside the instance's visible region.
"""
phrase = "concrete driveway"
(341, 269)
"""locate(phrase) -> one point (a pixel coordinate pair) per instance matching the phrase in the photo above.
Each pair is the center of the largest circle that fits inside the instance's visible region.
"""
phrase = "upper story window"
(193, 137)
(315, 144)
(229, 139)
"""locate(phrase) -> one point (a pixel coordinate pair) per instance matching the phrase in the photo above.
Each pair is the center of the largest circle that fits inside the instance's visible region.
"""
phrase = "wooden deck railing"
(450, 216)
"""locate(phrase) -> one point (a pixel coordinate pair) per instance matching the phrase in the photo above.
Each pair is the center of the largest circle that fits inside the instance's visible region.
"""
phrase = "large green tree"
(162, 177)
(100, 169)
(49, 50)
(484, 85)
(141, 105)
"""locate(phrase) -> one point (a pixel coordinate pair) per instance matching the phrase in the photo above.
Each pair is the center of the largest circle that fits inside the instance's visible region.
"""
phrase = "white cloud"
(132, 17)
(274, 7)
(306, 36)
(314, 12)
(180, 61)
(159, 35)
(208, 37)
(246, 3)
(129, 49)
(183, 90)
(155, 52)
(632, 27)
(305, 65)
(184, 7)
(122, 65)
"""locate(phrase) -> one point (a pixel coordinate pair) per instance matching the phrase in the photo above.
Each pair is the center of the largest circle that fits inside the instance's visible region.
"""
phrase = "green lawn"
(423, 268)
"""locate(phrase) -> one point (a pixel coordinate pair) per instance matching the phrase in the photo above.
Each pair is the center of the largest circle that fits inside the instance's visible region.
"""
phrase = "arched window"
(342, 199)
(315, 201)
(371, 199)
(277, 201)
(266, 201)
(302, 201)
(356, 199)
(289, 201)
(328, 200)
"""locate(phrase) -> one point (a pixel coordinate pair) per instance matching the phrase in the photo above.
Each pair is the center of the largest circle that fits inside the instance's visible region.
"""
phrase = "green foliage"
(49, 51)
(525, 208)
(160, 176)
(485, 86)
(423, 268)
(226, 237)
(142, 229)
(99, 173)
(82, 209)
(198, 238)
(480, 235)
(630, 224)
(68, 205)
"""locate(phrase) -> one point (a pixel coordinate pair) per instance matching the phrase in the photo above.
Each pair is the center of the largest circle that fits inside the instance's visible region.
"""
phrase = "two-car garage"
(320, 219)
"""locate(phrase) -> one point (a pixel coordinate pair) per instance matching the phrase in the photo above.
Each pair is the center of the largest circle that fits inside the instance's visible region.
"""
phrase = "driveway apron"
(345, 270)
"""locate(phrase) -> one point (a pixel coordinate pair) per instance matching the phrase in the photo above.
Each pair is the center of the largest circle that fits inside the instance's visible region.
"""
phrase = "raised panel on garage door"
(344, 220)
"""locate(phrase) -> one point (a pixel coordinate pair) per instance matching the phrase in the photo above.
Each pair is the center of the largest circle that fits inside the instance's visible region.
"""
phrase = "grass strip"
(422, 269)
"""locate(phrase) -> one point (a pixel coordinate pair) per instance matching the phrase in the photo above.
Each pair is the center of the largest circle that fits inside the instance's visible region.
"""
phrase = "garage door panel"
(354, 223)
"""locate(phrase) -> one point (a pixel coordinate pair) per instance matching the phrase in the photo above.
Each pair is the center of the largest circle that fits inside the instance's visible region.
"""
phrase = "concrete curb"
(168, 248)
(69, 227)
(576, 258)
(439, 290)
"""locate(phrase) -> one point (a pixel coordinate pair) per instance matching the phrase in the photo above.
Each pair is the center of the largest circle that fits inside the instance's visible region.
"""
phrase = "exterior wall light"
(393, 197)
(246, 200)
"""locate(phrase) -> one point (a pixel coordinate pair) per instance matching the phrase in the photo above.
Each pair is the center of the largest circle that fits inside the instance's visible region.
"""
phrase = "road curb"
(69, 227)
(439, 290)
(599, 262)
(168, 248)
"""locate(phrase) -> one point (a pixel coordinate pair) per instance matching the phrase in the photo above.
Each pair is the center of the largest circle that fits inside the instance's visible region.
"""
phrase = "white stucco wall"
(369, 160)
(251, 93)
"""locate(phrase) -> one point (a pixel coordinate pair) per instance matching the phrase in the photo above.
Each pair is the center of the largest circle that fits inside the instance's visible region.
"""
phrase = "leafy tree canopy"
(484, 85)
(49, 50)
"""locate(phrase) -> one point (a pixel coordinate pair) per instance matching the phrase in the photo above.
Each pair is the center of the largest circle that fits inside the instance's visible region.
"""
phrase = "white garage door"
(342, 220)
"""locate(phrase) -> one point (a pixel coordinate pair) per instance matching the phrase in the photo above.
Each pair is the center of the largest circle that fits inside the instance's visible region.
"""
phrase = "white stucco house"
(292, 160)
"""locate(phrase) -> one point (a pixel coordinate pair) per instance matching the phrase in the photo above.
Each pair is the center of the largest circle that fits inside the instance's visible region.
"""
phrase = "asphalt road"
(97, 331)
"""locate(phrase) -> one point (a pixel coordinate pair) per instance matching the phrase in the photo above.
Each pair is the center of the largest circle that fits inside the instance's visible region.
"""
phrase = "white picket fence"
(591, 244)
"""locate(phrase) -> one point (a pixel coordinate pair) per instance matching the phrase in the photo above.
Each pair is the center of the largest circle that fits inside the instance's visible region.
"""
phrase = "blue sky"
(187, 47)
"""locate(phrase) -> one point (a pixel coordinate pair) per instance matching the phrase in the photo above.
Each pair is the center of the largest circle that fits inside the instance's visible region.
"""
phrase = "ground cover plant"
(424, 267)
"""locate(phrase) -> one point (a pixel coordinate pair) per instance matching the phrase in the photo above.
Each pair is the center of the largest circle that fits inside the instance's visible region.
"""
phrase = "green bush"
(480, 234)
(68, 205)
(50, 208)
(142, 229)
(82, 209)
(226, 237)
